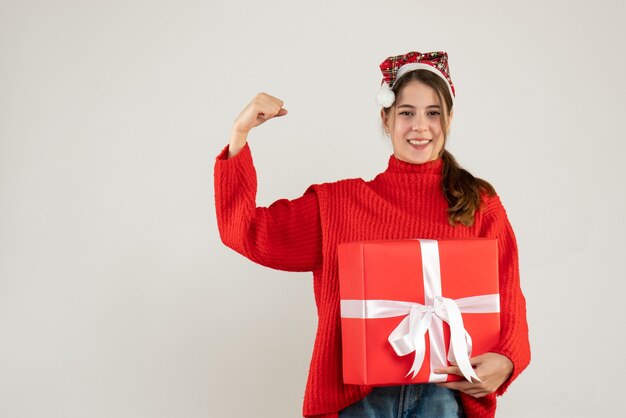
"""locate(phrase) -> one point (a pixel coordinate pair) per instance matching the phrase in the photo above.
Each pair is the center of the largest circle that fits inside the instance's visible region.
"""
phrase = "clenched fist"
(262, 108)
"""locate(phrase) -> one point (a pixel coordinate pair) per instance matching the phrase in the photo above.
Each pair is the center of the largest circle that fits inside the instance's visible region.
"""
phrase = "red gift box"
(410, 306)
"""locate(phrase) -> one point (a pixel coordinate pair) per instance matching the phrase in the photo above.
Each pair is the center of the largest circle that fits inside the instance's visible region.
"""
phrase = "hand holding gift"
(492, 369)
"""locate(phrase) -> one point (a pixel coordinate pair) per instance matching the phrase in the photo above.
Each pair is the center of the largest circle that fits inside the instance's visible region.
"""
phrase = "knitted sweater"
(404, 201)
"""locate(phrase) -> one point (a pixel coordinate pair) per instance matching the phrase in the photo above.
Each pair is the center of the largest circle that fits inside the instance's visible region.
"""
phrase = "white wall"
(117, 298)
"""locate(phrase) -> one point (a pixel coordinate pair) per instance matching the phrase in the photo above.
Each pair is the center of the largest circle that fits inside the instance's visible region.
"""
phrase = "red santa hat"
(395, 67)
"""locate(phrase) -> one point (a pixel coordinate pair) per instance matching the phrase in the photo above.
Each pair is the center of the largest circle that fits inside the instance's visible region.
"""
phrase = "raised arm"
(287, 234)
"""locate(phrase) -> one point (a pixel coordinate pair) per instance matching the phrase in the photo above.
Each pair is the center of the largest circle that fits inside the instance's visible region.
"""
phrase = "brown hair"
(461, 189)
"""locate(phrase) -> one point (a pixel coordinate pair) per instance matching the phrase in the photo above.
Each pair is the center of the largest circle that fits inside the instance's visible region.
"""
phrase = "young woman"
(423, 193)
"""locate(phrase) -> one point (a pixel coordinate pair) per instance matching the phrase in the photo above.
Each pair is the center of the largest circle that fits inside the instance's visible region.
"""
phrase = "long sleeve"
(286, 235)
(514, 342)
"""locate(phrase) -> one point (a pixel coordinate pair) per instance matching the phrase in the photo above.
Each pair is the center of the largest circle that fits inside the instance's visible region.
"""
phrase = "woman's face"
(414, 124)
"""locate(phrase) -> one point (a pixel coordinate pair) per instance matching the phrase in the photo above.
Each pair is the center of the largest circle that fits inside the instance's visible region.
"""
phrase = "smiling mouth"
(418, 141)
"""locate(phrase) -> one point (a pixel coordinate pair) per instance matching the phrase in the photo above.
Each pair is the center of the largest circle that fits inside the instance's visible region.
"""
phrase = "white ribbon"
(409, 335)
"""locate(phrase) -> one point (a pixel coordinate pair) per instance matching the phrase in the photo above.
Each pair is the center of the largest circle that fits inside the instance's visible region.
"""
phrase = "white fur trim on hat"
(385, 96)
(421, 66)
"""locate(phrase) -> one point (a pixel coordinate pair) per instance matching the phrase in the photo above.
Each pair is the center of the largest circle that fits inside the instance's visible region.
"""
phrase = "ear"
(385, 119)
(450, 119)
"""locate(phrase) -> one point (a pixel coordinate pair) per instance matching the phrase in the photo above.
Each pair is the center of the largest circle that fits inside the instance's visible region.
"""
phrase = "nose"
(419, 124)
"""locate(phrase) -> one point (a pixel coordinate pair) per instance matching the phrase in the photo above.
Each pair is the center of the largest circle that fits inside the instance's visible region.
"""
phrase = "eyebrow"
(413, 107)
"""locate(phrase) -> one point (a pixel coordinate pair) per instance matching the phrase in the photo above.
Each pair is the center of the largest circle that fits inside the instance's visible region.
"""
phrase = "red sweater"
(404, 201)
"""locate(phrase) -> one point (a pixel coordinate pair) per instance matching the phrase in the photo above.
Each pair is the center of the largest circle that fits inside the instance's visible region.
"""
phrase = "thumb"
(264, 116)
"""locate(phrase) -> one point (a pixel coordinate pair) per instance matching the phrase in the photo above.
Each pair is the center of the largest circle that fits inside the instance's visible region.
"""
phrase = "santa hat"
(395, 67)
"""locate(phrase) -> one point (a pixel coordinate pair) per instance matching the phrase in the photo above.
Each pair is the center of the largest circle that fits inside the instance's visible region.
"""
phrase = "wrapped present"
(411, 306)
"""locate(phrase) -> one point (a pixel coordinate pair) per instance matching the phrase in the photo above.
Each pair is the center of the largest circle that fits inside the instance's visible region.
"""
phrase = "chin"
(410, 155)
(412, 159)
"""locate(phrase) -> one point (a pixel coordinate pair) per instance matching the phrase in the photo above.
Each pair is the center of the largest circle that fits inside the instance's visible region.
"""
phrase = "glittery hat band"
(396, 66)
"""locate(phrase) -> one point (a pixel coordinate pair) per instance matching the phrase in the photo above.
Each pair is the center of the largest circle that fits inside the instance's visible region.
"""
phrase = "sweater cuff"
(236, 172)
(239, 164)
(223, 155)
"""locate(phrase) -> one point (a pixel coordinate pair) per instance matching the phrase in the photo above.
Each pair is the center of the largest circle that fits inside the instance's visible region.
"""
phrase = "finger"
(449, 370)
(475, 361)
(269, 98)
(263, 116)
(477, 393)
(268, 112)
(265, 101)
(268, 104)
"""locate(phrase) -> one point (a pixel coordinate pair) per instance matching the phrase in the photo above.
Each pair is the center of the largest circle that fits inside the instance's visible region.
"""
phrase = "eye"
(405, 113)
(434, 113)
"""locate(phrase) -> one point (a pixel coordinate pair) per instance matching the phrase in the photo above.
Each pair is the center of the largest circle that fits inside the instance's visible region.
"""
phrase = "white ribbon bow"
(409, 335)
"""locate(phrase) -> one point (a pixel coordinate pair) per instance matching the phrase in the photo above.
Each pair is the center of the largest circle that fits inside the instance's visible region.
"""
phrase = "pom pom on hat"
(385, 96)
(395, 67)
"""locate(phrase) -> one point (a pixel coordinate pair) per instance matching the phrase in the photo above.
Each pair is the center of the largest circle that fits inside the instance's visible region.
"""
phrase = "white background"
(117, 297)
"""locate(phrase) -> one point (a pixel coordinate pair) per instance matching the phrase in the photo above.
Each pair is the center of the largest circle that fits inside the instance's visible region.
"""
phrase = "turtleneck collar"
(397, 166)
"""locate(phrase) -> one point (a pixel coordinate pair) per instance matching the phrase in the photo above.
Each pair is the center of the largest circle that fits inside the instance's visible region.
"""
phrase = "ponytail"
(462, 191)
